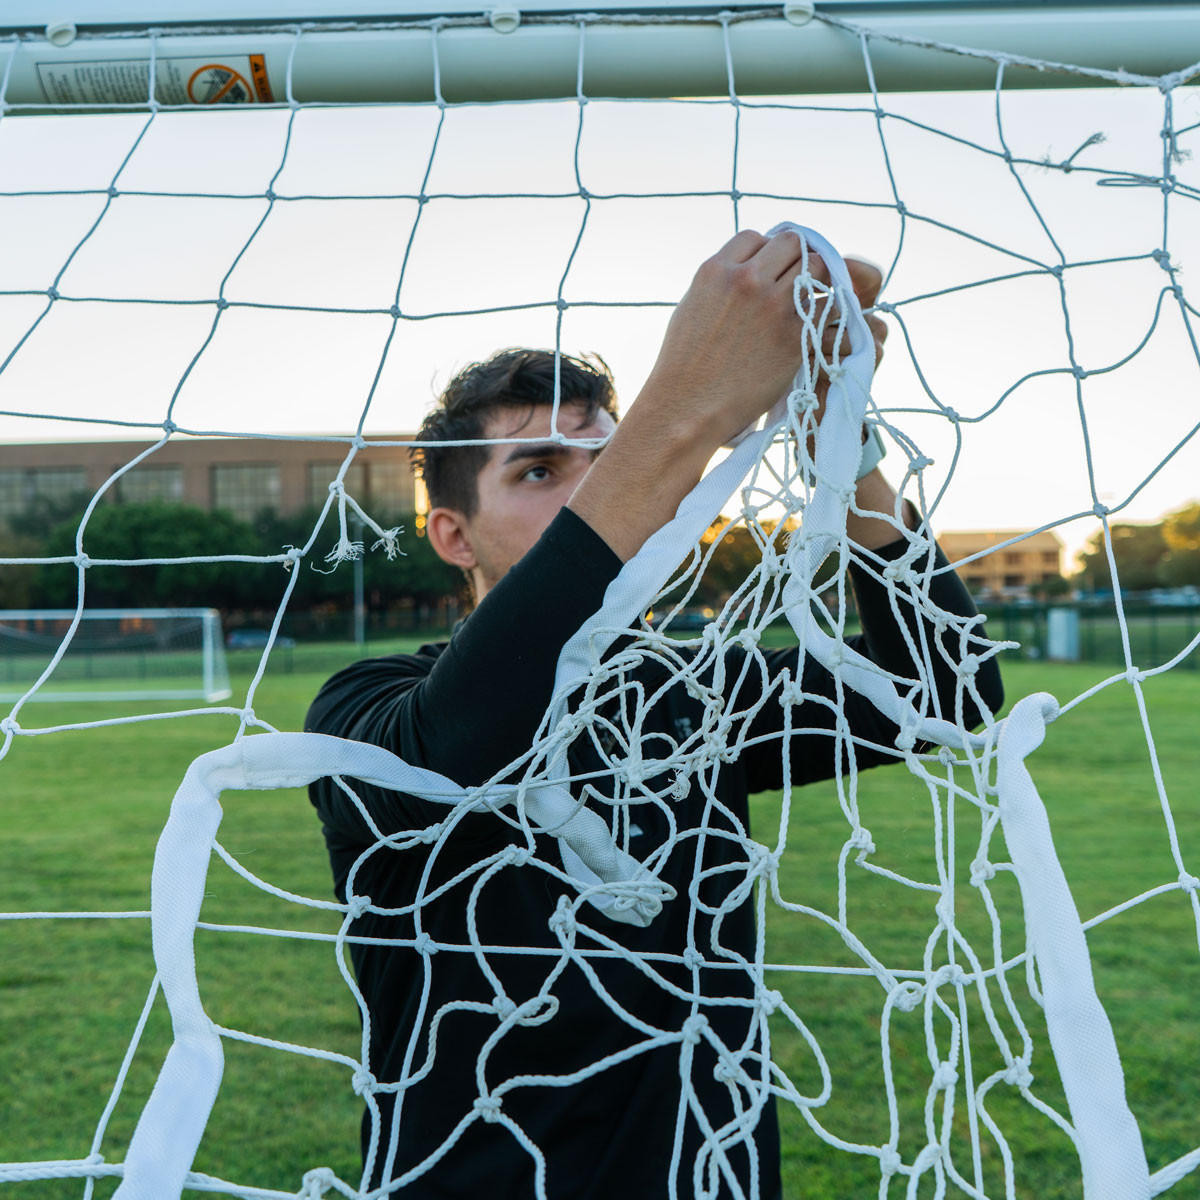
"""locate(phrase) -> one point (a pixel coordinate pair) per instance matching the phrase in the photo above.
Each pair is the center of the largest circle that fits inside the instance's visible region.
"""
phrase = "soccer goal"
(116, 654)
(974, 971)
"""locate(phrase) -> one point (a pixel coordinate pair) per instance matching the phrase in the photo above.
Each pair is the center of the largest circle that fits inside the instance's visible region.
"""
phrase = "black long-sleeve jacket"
(435, 965)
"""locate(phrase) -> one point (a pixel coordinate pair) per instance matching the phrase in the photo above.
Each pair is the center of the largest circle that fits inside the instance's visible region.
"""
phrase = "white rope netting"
(957, 1029)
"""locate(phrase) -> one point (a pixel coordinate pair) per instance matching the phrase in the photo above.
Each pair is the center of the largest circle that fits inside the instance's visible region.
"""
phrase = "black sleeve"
(469, 711)
(940, 644)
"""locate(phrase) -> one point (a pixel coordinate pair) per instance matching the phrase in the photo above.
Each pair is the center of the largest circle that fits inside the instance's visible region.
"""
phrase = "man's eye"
(537, 472)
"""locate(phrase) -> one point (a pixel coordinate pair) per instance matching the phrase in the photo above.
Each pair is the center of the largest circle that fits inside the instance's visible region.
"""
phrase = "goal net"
(956, 980)
(115, 654)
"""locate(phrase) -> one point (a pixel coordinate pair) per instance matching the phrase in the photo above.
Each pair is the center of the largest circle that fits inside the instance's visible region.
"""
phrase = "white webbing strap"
(172, 1123)
(1106, 1133)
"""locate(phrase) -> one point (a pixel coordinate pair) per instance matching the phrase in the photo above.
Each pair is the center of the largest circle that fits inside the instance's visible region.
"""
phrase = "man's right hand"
(731, 350)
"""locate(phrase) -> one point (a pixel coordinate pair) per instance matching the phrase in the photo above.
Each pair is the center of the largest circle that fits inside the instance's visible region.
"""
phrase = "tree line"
(162, 530)
(1166, 554)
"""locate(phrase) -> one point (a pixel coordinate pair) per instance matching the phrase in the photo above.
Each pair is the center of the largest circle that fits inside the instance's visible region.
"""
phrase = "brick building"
(241, 475)
(1011, 572)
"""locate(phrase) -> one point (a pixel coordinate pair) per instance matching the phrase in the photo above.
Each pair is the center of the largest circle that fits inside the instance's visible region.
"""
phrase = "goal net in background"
(115, 654)
(300, 264)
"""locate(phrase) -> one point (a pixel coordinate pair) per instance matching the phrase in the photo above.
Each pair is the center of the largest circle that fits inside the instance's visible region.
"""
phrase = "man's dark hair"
(510, 379)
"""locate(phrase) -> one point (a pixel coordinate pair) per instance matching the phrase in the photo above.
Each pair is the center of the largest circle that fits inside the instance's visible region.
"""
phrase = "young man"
(497, 1072)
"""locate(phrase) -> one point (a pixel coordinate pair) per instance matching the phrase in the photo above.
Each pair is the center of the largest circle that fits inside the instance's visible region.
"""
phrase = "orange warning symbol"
(215, 83)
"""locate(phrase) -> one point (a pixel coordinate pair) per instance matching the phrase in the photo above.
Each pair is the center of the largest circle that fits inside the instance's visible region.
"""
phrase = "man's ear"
(446, 529)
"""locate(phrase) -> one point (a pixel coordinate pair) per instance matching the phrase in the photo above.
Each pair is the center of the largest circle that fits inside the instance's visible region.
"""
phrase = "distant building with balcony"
(243, 476)
(1010, 563)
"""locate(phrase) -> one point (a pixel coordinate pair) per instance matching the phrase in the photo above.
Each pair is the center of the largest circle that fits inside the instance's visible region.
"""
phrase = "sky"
(981, 327)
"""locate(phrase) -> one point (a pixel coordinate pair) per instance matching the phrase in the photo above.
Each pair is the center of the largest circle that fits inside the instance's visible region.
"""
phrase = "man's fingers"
(866, 279)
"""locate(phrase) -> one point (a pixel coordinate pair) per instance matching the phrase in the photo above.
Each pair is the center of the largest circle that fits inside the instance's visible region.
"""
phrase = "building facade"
(1011, 563)
(243, 476)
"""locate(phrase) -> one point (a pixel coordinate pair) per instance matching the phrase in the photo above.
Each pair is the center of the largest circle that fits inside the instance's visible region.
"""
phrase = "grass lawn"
(83, 809)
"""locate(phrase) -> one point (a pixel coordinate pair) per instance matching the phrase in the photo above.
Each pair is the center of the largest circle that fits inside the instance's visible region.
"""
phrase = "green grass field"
(82, 811)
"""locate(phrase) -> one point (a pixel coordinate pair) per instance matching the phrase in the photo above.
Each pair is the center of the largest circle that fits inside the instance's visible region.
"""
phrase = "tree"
(1181, 530)
(158, 530)
(1139, 551)
(18, 583)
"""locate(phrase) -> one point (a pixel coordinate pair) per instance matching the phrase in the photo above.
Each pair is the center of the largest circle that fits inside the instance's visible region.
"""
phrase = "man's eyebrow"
(536, 450)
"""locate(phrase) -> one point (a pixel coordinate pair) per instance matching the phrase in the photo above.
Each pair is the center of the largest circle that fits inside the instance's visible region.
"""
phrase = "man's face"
(523, 485)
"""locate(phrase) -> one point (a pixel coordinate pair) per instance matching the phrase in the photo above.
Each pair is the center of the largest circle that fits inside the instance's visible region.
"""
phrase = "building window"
(1014, 581)
(13, 498)
(1012, 558)
(245, 489)
(392, 486)
(322, 474)
(20, 487)
(1050, 558)
(146, 484)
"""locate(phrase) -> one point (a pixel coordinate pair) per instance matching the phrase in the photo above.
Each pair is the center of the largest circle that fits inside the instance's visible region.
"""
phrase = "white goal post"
(107, 654)
(280, 221)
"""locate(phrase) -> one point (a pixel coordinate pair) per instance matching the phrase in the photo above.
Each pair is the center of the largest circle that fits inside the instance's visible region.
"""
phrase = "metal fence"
(1090, 631)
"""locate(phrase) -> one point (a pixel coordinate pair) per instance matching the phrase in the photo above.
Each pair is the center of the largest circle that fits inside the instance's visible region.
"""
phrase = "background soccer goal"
(294, 228)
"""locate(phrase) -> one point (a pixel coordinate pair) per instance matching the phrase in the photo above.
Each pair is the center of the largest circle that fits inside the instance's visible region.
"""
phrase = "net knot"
(951, 415)
(517, 856)
(947, 757)
(901, 208)
(1080, 372)
(802, 398)
(945, 1077)
(882, 306)
(270, 195)
(316, 1183)
(561, 304)
(504, 1007)
(584, 194)
(488, 1107)
(950, 973)
(920, 463)
(693, 1028)
(169, 427)
(562, 920)
(861, 841)
(981, 872)
(363, 1082)
(1162, 258)
(1019, 1074)
(889, 1161)
(692, 958)
(1100, 510)
(968, 666)
(735, 195)
(748, 639)
(424, 944)
(681, 786)
(52, 292)
(9, 726)
(725, 1071)
(394, 312)
(82, 560)
(906, 739)
(356, 907)
(1189, 883)
(906, 996)
(770, 1001)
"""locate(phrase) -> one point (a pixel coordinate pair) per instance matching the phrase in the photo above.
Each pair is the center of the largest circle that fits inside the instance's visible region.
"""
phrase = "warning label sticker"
(238, 79)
